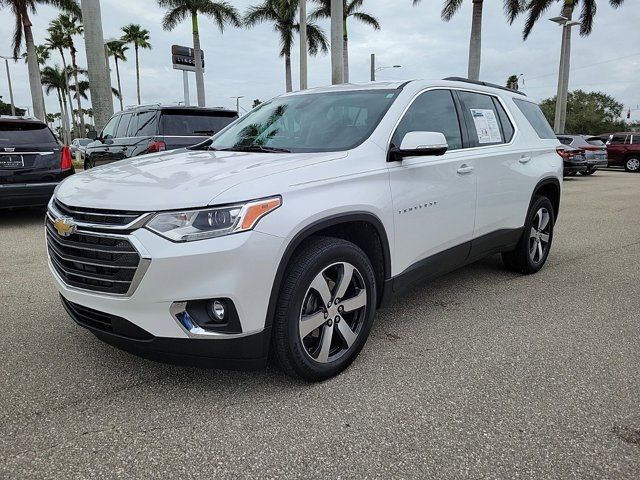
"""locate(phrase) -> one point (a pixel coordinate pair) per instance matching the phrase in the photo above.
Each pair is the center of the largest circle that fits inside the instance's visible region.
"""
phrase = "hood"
(176, 179)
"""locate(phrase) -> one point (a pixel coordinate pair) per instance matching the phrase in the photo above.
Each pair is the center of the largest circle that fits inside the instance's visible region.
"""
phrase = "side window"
(123, 126)
(110, 128)
(536, 118)
(432, 111)
(618, 139)
(565, 140)
(635, 140)
(133, 126)
(146, 126)
(505, 123)
(482, 118)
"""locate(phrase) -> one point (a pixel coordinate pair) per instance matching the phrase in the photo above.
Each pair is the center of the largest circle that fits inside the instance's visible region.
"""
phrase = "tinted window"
(176, 123)
(536, 118)
(123, 126)
(595, 141)
(635, 140)
(84, 142)
(565, 140)
(310, 122)
(432, 111)
(110, 128)
(27, 133)
(146, 126)
(483, 119)
(618, 139)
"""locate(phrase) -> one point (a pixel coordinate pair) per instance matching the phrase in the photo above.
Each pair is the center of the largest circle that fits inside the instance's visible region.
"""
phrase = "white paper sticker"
(486, 125)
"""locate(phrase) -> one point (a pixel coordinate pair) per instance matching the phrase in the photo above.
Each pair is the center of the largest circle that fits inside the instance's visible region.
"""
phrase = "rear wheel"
(591, 171)
(632, 164)
(532, 250)
(325, 309)
(89, 163)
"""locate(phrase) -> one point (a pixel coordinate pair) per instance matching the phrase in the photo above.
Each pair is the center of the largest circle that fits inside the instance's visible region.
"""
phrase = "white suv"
(283, 233)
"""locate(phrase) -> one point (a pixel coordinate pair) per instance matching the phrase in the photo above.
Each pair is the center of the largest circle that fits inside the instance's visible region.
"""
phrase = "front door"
(434, 197)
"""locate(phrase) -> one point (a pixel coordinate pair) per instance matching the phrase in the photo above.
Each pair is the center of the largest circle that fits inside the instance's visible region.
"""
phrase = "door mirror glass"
(92, 134)
(416, 144)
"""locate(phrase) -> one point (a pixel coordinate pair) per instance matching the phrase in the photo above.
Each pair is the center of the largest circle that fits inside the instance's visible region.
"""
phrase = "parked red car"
(624, 150)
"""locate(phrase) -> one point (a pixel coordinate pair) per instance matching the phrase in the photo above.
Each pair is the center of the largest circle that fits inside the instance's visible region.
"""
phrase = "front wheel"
(325, 309)
(632, 164)
(532, 250)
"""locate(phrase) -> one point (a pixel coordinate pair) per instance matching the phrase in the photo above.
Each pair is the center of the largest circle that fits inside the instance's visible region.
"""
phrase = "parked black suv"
(32, 162)
(150, 129)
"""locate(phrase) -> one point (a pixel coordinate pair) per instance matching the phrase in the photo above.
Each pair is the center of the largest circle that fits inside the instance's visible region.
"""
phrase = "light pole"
(337, 39)
(6, 64)
(303, 45)
(238, 103)
(374, 69)
(563, 73)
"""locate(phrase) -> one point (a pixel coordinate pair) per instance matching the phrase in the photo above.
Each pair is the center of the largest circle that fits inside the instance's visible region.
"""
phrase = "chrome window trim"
(13, 154)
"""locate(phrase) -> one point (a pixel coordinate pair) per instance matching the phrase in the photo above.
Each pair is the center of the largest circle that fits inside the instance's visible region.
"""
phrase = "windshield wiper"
(255, 148)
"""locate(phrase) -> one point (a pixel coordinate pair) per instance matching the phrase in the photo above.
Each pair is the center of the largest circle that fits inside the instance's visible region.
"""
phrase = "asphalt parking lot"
(481, 374)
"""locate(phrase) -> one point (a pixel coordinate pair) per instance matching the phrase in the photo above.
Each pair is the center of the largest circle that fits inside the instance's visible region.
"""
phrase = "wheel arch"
(348, 226)
(550, 188)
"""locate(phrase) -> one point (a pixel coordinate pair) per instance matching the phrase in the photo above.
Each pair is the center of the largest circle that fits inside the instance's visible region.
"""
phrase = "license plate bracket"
(11, 161)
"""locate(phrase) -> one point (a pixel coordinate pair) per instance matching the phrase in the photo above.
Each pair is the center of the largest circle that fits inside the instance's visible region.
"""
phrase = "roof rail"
(485, 84)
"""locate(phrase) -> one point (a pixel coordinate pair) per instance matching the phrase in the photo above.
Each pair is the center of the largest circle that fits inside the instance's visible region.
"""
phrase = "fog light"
(217, 311)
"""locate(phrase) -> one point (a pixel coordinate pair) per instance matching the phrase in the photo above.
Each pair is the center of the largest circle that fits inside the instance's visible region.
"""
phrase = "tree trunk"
(304, 46)
(67, 92)
(35, 84)
(475, 43)
(345, 53)
(82, 131)
(138, 73)
(199, 70)
(287, 72)
(119, 86)
(337, 47)
(67, 126)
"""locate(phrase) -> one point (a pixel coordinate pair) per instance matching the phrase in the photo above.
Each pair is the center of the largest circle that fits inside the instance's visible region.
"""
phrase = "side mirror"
(419, 144)
(92, 135)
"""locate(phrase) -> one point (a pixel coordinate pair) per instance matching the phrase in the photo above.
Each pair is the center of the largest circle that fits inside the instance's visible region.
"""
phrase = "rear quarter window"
(16, 133)
(536, 118)
(194, 124)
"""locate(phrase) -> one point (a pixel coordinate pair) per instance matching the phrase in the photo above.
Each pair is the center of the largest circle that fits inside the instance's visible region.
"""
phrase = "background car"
(623, 150)
(573, 160)
(79, 145)
(151, 129)
(595, 151)
(32, 162)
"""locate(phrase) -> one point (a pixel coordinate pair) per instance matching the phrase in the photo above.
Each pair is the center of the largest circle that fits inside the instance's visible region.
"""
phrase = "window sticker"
(486, 125)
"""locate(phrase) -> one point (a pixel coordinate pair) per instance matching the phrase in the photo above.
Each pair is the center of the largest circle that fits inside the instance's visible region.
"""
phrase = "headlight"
(189, 225)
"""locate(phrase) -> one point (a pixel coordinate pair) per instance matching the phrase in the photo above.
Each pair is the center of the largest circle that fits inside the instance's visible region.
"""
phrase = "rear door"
(100, 151)
(122, 138)
(29, 152)
(184, 128)
(617, 147)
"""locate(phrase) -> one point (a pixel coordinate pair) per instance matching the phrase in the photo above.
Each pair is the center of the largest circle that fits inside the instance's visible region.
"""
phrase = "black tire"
(520, 260)
(88, 163)
(591, 171)
(314, 258)
(632, 164)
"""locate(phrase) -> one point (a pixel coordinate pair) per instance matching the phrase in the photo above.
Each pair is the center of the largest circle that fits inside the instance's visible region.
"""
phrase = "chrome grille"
(97, 217)
(92, 260)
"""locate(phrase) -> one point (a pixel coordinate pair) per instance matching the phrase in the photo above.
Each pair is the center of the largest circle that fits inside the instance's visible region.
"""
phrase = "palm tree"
(139, 37)
(55, 79)
(352, 8)
(535, 9)
(21, 10)
(67, 26)
(118, 51)
(83, 88)
(57, 40)
(450, 7)
(282, 13)
(43, 54)
(222, 13)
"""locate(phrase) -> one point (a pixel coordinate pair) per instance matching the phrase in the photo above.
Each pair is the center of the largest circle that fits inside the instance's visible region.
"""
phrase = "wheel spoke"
(533, 248)
(533, 232)
(345, 280)
(539, 251)
(544, 220)
(320, 285)
(348, 335)
(325, 344)
(309, 323)
(544, 237)
(355, 303)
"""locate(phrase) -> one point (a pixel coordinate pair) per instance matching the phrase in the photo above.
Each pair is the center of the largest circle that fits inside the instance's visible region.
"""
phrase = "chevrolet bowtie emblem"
(64, 226)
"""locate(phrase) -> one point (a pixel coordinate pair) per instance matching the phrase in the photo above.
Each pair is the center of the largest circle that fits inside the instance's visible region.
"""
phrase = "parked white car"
(287, 230)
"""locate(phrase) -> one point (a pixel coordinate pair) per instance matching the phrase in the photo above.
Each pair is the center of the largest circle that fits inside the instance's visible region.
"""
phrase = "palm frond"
(536, 8)
(222, 13)
(589, 8)
(513, 8)
(367, 19)
(449, 9)
(174, 17)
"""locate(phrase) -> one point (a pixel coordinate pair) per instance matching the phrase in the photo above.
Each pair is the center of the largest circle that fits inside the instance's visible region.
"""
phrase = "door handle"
(464, 168)
(525, 159)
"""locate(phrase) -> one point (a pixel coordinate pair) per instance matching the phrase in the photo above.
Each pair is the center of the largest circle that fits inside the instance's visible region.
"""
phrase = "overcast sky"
(246, 62)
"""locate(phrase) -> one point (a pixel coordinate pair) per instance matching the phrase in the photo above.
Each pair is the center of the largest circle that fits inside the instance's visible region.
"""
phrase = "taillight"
(66, 162)
(563, 153)
(157, 146)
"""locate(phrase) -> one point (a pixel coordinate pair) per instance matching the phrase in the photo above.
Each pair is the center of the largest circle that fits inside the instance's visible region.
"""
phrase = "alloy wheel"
(540, 235)
(633, 164)
(333, 312)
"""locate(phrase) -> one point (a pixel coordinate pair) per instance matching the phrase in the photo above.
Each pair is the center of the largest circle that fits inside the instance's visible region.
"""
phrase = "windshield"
(314, 122)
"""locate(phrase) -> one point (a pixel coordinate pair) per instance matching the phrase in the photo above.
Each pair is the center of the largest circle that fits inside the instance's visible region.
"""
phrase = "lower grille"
(93, 261)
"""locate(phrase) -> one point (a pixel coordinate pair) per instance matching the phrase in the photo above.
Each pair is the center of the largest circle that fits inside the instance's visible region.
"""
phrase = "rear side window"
(432, 111)
(146, 126)
(565, 140)
(618, 139)
(123, 126)
(536, 118)
(27, 133)
(196, 124)
(483, 119)
(595, 141)
(635, 140)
